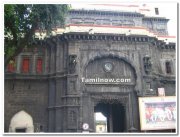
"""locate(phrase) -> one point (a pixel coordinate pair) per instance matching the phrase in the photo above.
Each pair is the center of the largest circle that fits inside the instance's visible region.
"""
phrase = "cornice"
(74, 36)
(106, 12)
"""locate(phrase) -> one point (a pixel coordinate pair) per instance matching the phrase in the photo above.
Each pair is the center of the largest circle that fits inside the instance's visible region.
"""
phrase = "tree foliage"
(22, 20)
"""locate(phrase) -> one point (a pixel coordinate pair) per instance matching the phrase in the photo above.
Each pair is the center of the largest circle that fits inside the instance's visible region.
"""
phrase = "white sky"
(100, 116)
(166, 9)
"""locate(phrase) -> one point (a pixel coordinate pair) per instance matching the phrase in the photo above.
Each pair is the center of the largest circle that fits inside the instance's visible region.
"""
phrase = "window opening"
(25, 65)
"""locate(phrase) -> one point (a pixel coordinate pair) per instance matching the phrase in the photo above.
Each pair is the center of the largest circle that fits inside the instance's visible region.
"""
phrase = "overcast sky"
(166, 9)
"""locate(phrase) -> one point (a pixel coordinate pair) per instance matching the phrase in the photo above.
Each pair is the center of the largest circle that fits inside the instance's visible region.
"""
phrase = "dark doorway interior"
(115, 114)
(20, 130)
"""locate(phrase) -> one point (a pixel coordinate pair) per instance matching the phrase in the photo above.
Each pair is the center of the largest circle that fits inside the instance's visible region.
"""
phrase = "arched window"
(168, 67)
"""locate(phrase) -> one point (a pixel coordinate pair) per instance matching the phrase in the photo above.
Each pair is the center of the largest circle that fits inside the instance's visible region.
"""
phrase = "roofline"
(155, 18)
(105, 26)
(120, 13)
(107, 11)
(125, 27)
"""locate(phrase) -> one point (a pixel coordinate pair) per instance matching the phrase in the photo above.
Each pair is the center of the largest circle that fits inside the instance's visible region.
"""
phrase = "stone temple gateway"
(44, 86)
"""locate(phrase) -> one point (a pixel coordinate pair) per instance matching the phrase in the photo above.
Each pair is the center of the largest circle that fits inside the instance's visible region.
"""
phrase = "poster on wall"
(157, 113)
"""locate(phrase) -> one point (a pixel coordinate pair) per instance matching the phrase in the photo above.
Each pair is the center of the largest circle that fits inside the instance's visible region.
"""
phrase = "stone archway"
(111, 57)
(114, 94)
(115, 114)
(21, 122)
(116, 109)
(120, 68)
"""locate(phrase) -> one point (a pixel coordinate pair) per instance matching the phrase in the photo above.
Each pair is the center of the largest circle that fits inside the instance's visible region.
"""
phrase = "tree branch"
(21, 43)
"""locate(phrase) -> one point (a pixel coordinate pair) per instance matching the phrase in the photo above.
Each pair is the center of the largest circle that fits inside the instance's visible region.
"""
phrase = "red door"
(39, 66)
(25, 66)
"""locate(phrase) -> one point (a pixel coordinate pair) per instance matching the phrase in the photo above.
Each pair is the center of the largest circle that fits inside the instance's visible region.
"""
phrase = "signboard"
(157, 113)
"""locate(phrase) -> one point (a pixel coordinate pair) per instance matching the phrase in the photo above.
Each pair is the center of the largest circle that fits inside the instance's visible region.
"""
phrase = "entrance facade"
(91, 68)
(113, 99)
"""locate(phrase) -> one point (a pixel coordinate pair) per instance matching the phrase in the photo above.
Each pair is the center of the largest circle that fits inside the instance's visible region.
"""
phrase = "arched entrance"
(21, 122)
(115, 99)
(115, 116)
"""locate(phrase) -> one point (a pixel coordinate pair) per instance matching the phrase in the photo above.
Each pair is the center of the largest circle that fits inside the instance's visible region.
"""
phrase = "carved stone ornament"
(108, 67)
(147, 64)
(110, 99)
(72, 63)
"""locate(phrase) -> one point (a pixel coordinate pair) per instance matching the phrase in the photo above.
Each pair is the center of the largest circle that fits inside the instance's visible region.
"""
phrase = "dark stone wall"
(92, 52)
(28, 95)
(58, 99)
(170, 89)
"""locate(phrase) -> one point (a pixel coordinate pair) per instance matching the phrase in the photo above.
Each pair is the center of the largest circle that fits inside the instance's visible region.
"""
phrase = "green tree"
(22, 20)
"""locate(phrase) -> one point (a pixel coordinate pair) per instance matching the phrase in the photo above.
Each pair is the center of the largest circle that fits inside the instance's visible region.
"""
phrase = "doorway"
(20, 130)
(115, 115)
(21, 122)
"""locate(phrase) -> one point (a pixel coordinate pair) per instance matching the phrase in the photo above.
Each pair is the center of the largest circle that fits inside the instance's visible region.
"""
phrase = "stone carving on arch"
(110, 99)
(21, 121)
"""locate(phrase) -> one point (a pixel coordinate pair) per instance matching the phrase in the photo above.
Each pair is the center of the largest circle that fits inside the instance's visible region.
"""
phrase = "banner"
(157, 113)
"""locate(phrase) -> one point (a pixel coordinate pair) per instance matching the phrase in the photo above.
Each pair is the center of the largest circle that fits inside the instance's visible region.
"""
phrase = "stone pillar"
(131, 112)
(65, 55)
(19, 60)
(59, 119)
(33, 67)
(110, 119)
(46, 62)
(58, 59)
(52, 60)
(87, 112)
(61, 59)
(51, 105)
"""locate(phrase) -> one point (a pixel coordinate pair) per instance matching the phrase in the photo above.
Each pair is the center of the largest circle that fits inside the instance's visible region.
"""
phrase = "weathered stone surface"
(58, 100)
